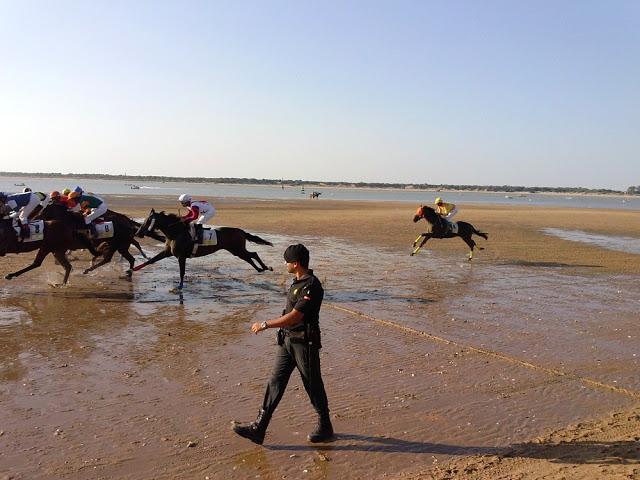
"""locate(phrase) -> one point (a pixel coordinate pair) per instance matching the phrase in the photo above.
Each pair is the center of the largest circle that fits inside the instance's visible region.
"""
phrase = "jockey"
(445, 210)
(199, 212)
(21, 205)
(64, 200)
(92, 203)
(57, 199)
(40, 195)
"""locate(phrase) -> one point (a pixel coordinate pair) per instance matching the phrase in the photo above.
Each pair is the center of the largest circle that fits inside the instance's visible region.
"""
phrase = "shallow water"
(610, 242)
(130, 371)
(117, 187)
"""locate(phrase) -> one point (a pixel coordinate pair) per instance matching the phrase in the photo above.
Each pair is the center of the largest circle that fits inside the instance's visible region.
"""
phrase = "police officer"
(298, 347)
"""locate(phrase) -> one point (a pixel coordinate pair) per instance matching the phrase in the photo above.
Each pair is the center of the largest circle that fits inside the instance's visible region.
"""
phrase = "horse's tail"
(481, 234)
(257, 239)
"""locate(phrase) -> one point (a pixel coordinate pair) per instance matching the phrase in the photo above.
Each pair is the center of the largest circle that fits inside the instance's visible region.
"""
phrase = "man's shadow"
(582, 452)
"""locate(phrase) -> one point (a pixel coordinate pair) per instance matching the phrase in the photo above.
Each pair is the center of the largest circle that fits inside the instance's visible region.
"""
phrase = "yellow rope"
(490, 353)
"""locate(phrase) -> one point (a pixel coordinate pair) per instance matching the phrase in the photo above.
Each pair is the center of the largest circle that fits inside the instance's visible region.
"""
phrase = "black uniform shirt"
(305, 295)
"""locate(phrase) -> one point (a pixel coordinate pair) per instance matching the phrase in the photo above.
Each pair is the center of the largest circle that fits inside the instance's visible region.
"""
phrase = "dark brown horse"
(180, 245)
(57, 239)
(441, 228)
(124, 230)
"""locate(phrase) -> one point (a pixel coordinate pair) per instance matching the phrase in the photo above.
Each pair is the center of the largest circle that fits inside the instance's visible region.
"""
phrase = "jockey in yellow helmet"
(445, 210)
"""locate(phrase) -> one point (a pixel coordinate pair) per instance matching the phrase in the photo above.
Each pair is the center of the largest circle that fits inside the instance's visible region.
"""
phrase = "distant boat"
(508, 196)
(135, 187)
(19, 184)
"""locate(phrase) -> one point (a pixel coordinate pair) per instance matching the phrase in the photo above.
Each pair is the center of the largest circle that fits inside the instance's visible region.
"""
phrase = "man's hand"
(256, 327)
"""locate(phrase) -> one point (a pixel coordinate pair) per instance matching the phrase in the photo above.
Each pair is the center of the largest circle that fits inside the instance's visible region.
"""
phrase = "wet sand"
(428, 360)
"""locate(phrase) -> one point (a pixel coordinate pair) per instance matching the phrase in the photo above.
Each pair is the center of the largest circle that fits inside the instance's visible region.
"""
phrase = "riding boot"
(323, 431)
(92, 230)
(24, 231)
(199, 229)
(255, 431)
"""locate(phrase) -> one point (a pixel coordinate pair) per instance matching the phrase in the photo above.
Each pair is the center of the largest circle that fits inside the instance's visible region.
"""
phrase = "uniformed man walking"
(298, 347)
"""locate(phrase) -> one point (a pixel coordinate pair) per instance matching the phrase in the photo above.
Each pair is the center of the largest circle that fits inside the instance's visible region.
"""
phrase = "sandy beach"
(520, 364)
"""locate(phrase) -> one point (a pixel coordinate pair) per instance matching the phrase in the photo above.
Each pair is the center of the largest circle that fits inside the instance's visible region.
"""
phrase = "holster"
(312, 333)
(280, 336)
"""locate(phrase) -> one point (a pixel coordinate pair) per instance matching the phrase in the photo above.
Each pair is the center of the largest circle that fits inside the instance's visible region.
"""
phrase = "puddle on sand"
(610, 242)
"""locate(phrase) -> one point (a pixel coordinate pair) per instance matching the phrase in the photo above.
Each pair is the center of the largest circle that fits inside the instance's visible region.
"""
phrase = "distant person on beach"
(199, 212)
(298, 347)
(445, 210)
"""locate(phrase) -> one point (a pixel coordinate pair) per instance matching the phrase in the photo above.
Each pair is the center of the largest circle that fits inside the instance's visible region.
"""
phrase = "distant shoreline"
(444, 188)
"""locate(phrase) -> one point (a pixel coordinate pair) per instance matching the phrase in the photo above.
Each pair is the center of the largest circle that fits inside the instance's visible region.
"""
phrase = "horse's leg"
(259, 260)
(62, 260)
(424, 240)
(163, 254)
(135, 243)
(247, 257)
(42, 254)
(469, 241)
(124, 251)
(88, 244)
(182, 261)
(415, 242)
(106, 258)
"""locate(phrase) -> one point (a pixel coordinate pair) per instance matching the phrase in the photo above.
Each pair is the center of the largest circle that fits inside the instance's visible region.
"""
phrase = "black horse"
(441, 228)
(124, 230)
(58, 239)
(180, 244)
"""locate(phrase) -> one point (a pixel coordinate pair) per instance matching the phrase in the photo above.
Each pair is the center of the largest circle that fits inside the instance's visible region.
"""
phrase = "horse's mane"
(170, 216)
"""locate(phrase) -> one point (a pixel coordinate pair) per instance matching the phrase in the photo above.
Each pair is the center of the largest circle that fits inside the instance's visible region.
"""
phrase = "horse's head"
(159, 221)
(149, 225)
(425, 212)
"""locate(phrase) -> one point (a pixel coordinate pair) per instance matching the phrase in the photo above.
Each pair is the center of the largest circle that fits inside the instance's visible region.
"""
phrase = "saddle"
(35, 231)
(450, 228)
(204, 236)
(100, 229)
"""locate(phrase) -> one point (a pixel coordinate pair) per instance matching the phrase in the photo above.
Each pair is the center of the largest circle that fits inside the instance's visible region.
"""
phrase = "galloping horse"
(57, 239)
(180, 245)
(124, 230)
(440, 229)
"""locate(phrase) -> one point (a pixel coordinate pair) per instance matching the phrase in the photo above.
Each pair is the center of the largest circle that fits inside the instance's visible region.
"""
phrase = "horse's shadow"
(622, 452)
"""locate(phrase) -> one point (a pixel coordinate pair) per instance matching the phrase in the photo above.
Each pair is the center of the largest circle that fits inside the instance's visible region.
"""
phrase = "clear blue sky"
(477, 92)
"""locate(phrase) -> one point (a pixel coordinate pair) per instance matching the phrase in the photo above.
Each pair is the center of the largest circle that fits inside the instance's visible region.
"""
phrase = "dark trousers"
(296, 355)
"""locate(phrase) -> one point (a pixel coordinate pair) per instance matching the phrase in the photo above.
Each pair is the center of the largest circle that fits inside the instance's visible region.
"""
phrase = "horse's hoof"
(270, 269)
(129, 273)
(86, 271)
(8, 277)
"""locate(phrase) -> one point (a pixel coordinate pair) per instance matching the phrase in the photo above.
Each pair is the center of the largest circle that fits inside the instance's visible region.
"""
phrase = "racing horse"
(440, 228)
(57, 239)
(124, 230)
(180, 244)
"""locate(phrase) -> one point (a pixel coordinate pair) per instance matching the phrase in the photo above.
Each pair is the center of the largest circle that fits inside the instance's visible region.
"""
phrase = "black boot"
(324, 430)
(24, 231)
(254, 431)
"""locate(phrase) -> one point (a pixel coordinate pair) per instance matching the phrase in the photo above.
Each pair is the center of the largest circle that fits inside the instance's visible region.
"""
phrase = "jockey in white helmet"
(200, 211)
